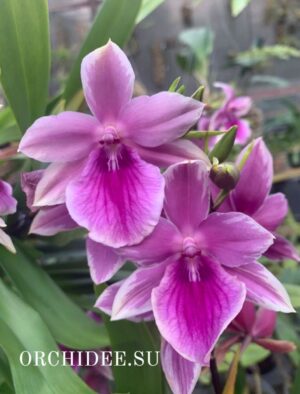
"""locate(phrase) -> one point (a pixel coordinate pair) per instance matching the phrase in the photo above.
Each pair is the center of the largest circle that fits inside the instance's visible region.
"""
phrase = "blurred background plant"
(46, 289)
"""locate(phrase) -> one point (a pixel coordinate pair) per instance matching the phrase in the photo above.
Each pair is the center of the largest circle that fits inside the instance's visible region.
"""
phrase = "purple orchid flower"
(251, 196)
(196, 268)
(254, 326)
(231, 114)
(97, 169)
(47, 220)
(8, 206)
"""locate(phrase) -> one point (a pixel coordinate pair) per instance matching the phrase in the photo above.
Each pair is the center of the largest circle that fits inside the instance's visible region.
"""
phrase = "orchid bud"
(224, 175)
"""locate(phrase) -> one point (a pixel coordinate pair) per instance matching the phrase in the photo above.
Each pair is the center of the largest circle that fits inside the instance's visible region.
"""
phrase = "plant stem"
(215, 377)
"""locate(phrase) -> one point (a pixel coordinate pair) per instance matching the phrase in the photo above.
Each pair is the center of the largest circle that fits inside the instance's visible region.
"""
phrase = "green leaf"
(253, 355)
(147, 7)
(67, 322)
(286, 330)
(115, 20)
(237, 6)
(296, 384)
(22, 329)
(294, 293)
(25, 57)
(223, 147)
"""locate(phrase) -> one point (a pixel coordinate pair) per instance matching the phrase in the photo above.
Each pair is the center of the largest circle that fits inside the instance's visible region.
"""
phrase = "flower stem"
(215, 377)
(220, 198)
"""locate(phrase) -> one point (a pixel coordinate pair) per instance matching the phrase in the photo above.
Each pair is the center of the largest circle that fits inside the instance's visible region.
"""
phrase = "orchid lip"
(189, 247)
(110, 136)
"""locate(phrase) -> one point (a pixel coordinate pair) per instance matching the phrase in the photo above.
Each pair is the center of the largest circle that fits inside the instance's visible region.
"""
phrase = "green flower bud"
(224, 175)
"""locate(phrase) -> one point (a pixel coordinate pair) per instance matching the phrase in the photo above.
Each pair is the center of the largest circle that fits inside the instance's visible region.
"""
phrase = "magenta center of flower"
(190, 254)
(110, 141)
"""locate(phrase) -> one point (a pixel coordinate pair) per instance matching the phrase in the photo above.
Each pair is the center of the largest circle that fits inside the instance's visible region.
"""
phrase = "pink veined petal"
(172, 153)
(255, 180)
(282, 249)
(227, 90)
(103, 261)
(264, 324)
(243, 131)
(29, 181)
(152, 121)
(164, 241)
(187, 195)
(106, 299)
(8, 204)
(107, 80)
(67, 136)
(245, 319)
(240, 106)
(52, 220)
(6, 241)
(233, 238)
(275, 345)
(134, 296)
(181, 374)
(272, 211)
(119, 206)
(192, 314)
(263, 288)
(51, 190)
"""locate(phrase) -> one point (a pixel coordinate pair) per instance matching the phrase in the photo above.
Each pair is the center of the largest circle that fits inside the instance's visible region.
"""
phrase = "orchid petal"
(52, 220)
(233, 238)
(8, 204)
(276, 346)
(103, 261)
(263, 288)
(272, 211)
(106, 299)
(151, 121)
(164, 241)
(29, 181)
(107, 80)
(64, 137)
(244, 321)
(119, 206)
(264, 324)
(227, 90)
(6, 241)
(255, 179)
(240, 106)
(51, 190)
(181, 374)
(192, 314)
(134, 296)
(282, 249)
(243, 131)
(187, 195)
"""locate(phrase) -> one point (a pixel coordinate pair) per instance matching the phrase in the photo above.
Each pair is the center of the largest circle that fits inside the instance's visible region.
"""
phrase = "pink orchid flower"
(251, 196)
(196, 268)
(231, 114)
(49, 220)
(254, 326)
(8, 206)
(98, 170)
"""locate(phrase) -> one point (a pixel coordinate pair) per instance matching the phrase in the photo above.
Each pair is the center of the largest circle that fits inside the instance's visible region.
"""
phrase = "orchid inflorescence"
(196, 262)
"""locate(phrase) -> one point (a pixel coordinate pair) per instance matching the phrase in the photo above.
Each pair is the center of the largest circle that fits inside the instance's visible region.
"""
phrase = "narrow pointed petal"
(181, 374)
(51, 190)
(52, 220)
(240, 106)
(164, 241)
(8, 204)
(227, 90)
(6, 241)
(255, 180)
(134, 296)
(282, 249)
(264, 324)
(64, 137)
(172, 153)
(263, 288)
(191, 315)
(272, 212)
(151, 121)
(107, 80)
(243, 131)
(118, 206)
(103, 261)
(233, 238)
(189, 184)
(106, 299)
(276, 346)
(29, 181)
